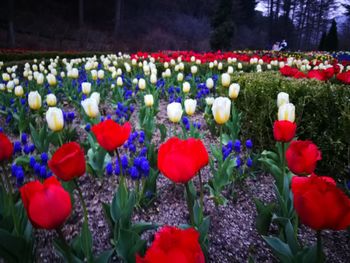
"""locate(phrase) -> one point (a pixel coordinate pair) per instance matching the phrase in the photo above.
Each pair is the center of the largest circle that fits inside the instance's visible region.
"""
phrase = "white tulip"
(190, 106)
(142, 84)
(10, 85)
(96, 96)
(194, 69)
(19, 91)
(153, 78)
(174, 111)
(234, 90)
(94, 74)
(180, 77)
(51, 79)
(225, 80)
(54, 118)
(34, 100)
(86, 87)
(100, 74)
(282, 98)
(209, 101)
(119, 81)
(209, 83)
(149, 100)
(186, 86)
(221, 110)
(39, 78)
(90, 107)
(51, 100)
(239, 65)
(6, 77)
(2, 86)
(286, 112)
(230, 70)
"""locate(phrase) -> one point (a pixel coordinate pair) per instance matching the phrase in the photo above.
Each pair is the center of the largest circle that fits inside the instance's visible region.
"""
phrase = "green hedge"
(322, 115)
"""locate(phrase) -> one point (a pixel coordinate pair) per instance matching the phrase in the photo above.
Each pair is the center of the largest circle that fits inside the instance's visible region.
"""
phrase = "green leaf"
(263, 220)
(163, 131)
(141, 227)
(104, 256)
(86, 241)
(281, 249)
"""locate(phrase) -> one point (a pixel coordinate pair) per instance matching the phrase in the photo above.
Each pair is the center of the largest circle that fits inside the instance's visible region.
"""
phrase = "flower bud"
(142, 84)
(225, 80)
(90, 107)
(86, 87)
(51, 79)
(174, 111)
(51, 100)
(190, 106)
(221, 110)
(54, 118)
(19, 91)
(148, 100)
(234, 90)
(209, 101)
(286, 112)
(282, 98)
(186, 86)
(34, 100)
(209, 83)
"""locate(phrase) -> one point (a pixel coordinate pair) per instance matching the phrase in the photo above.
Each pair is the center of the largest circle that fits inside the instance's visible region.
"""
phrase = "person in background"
(283, 45)
(276, 46)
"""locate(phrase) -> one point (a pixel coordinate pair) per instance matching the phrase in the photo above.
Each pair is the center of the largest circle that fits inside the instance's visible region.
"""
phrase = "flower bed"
(157, 157)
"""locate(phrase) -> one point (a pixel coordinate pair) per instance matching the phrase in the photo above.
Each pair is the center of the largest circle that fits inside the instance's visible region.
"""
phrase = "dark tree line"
(164, 24)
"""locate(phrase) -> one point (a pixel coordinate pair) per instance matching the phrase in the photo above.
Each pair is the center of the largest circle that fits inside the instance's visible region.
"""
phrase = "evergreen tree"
(322, 45)
(331, 43)
(222, 26)
(248, 11)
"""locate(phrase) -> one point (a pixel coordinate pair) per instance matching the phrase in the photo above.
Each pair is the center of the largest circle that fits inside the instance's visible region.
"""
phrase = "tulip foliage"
(301, 194)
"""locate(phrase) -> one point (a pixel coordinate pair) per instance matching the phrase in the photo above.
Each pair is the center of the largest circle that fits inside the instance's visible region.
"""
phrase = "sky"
(339, 12)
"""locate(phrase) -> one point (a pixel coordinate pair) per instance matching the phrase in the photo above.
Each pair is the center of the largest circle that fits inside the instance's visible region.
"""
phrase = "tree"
(248, 11)
(117, 15)
(331, 43)
(322, 45)
(222, 26)
(11, 29)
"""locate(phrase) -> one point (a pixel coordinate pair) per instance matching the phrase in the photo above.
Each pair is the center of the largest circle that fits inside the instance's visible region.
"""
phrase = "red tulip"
(302, 157)
(6, 147)
(300, 75)
(320, 204)
(284, 131)
(344, 77)
(180, 160)
(174, 245)
(110, 135)
(68, 162)
(317, 74)
(288, 71)
(48, 205)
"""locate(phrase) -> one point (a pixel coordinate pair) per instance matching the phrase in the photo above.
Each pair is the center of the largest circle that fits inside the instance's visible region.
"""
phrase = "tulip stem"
(283, 159)
(189, 203)
(319, 246)
(201, 190)
(80, 193)
(60, 138)
(122, 178)
(65, 244)
(220, 131)
(12, 202)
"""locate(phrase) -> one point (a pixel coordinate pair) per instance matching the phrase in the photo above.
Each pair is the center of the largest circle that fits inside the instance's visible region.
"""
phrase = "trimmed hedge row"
(8, 56)
(322, 115)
